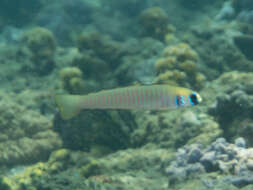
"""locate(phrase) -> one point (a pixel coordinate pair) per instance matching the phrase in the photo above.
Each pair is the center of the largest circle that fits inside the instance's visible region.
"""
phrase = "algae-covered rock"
(220, 54)
(128, 169)
(174, 129)
(108, 129)
(233, 107)
(91, 66)
(26, 136)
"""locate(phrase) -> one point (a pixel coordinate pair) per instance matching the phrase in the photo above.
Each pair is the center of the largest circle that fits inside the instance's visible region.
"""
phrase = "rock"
(250, 165)
(194, 155)
(226, 13)
(241, 181)
(195, 168)
(208, 161)
(240, 142)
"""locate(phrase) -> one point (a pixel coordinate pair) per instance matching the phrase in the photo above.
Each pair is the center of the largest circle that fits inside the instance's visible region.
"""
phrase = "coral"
(40, 41)
(226, 13)
(246, 17)
(109, 172)
(217, 59)
(90, 169)
(42, 45)
(234, 109)
(96, 128)
(102, 47)
(59, 155)
(143, 53)
(91, 65)
(71, 78)
(144, 168)
(70, 17)
(4, 184)
(174, 129)
(26, 136)
(234, 160)
(178, 66)
(154, 22)
(182, 52)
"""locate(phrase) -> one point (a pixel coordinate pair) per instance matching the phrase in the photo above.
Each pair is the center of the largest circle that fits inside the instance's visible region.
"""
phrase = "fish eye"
(194, 98)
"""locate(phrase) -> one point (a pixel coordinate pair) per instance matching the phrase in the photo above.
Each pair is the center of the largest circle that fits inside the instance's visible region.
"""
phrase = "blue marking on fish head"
(180, 101)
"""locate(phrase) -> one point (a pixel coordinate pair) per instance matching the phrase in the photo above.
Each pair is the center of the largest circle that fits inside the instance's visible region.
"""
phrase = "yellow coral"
(182, 51)
(25, 177)
(178, 66)
(89, 169)
(71, 78)
(58, 155)
(189, 67)
(165, 63)
(7, 183)
(170, 38)
(171, 77)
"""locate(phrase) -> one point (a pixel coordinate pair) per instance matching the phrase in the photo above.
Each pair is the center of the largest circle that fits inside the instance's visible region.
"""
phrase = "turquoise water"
(79, 47)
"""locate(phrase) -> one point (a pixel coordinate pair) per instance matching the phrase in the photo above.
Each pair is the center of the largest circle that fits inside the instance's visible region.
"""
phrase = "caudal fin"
(69, 105)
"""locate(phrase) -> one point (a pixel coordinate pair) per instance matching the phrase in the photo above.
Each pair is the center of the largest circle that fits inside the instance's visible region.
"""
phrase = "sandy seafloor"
(82, 46)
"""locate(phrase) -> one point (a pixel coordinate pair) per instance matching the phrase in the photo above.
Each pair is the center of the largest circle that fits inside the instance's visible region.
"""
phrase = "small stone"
(178, 174)
(208, 160)
(194, 168)
(241, 181)
(240, 142)
(220, 148)
(194, 155)
(221, 141)
(222, 157)
(250, 165)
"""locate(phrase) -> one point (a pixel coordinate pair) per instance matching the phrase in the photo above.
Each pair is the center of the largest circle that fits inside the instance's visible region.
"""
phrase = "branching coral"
(71, 78)
(178, 66)
(26, 136)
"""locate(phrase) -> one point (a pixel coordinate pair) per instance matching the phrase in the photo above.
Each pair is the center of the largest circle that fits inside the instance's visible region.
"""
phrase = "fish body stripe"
(138, 97)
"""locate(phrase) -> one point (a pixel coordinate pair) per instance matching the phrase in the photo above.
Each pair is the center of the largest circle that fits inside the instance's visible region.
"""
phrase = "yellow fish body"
(151, 97)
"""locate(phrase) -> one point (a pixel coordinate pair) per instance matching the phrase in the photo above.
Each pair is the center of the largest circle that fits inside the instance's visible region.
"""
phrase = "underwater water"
(131, 94)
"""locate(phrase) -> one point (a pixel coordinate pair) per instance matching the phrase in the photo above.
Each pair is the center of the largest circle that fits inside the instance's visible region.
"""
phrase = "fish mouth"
(199, 98)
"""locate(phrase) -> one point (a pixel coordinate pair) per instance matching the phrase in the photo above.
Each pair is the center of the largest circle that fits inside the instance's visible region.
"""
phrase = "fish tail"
(69, 105)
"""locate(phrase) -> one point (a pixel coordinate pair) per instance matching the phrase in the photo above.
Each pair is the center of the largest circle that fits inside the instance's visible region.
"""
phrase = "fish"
(144, 97)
